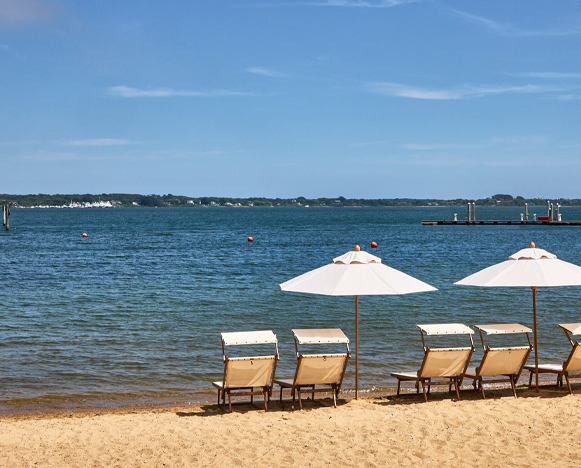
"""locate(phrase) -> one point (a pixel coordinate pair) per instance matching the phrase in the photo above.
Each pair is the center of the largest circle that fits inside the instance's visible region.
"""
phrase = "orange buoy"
(374, 245)
(85, 234)
(250, 239)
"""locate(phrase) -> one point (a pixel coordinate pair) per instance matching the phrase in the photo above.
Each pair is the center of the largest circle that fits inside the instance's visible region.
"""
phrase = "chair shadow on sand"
(469, 394)
(273, 407)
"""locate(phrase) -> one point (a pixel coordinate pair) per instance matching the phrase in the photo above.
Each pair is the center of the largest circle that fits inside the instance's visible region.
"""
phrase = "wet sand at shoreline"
(533, 430)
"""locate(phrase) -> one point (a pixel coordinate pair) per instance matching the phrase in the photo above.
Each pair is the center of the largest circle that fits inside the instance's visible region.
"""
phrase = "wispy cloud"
(17, 13)
(359, 3)
(464, 92)
(341, 3)
(568, 97)
(97, 142)
(266, 72)
(437, 147)
(507, 29)
(556, 75)
(508, 142)
(127, 92)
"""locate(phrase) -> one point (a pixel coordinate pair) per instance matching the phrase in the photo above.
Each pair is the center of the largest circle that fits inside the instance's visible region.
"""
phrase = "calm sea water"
(132, 314)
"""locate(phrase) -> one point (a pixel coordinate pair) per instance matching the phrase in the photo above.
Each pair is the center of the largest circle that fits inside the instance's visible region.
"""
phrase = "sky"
(314, 98)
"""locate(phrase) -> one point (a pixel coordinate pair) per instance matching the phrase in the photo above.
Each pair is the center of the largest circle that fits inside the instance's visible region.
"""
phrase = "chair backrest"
(445, 362)
(248, 371)
(503, 361)
(320, 369)
(573, 362)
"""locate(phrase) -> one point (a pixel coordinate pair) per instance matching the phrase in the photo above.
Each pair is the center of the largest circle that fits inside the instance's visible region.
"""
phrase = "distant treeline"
(136, 200)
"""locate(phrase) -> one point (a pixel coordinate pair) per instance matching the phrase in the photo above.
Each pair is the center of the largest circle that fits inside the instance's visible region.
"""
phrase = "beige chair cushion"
(447, 362)
(319, 369)
(502, 361)
(249, 372)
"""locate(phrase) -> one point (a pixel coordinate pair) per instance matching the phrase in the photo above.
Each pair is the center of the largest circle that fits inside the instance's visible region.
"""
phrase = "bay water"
(132, 314)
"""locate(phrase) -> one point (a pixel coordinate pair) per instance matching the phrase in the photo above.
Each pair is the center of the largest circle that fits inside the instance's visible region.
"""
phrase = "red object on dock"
(85, 234)
(250, 239)
(542, 218)
(374, 245)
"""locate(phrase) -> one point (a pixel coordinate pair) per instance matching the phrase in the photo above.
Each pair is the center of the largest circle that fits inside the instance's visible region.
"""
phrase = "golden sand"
(533, 430)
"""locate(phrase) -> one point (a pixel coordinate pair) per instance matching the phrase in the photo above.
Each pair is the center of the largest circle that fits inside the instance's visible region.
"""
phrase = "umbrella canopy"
(532, 268)
(356, 274)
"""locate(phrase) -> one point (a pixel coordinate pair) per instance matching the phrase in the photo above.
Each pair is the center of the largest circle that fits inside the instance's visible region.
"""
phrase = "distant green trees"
(170, 200)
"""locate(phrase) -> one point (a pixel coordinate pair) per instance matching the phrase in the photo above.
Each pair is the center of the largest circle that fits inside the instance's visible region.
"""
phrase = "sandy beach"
(533, 430)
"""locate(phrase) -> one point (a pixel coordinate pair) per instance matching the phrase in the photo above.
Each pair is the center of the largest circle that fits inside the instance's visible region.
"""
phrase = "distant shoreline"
(120, 200)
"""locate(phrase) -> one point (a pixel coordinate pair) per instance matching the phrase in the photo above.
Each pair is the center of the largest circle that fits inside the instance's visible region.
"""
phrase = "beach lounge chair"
(571, 364)
(243, 375)
(440, 366)
(500, 364)
(327, 370)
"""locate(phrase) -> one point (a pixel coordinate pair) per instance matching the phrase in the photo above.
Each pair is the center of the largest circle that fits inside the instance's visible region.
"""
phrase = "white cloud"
(342, 3)
(127, 92)
(493, 142)
(568, 97)
(464, 92)
(556, 75)
(360, 3)
(98, 142)
(436, 147)
(266, 72)
(510, 30)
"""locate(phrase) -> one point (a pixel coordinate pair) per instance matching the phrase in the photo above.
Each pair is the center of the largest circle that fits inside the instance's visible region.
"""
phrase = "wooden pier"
(497, 222)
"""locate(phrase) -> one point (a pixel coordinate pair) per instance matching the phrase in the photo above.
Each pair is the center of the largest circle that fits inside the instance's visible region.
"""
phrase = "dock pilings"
(6, 213)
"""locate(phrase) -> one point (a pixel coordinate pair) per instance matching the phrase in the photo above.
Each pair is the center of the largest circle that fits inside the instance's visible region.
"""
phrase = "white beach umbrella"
(356, 274)
(532, 268)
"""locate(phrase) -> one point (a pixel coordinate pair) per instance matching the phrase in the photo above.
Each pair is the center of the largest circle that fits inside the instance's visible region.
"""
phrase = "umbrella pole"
(357, 347)
(535, 328)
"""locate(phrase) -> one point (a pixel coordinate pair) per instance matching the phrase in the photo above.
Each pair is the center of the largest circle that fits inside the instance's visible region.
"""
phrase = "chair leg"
(456, 380)
(229, 402)
(218, 397)
(313, 394)
(568, 383)
(251, 397)
(424, 389)
(531, 379)
(513, 385)
(265, 394)
(398, 386)
(481, 388)
(300, 401)
(335, 397)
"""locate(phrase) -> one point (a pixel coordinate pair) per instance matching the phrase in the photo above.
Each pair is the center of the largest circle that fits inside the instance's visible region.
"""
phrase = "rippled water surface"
(132, 314)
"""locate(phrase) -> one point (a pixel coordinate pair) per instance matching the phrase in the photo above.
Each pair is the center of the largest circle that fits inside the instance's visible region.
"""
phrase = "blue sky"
(314, 98)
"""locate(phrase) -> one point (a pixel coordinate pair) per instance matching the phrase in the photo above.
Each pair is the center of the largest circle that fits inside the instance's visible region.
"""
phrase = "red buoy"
(85, 234)
(250, 239)
(374, 245)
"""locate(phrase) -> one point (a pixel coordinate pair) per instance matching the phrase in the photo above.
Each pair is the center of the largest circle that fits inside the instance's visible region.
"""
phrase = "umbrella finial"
(357, 248)
(532, 245)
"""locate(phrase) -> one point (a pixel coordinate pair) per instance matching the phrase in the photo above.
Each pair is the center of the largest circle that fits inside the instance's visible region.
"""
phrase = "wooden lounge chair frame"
(512, 360)
(450, 377)
(337, 364)
(571, 364)
(236, 370)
